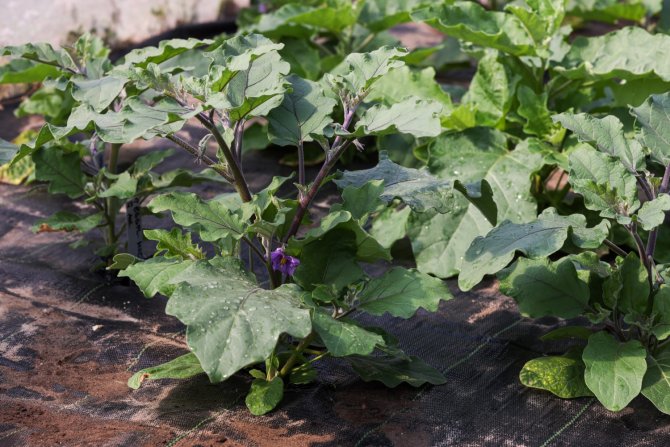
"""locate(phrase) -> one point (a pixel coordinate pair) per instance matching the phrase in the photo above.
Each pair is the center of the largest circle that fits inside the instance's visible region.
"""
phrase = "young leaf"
(661, 312)
(231, 322)
(533, 108)
(392, 371)
(174, 244)
(537, 239)
(656, 383)
(412, 116)
(61, 169)
(543, 288)
(123, 187)
(155, 275)
(212, 219)
(632, 298)
(653, 116)
(344, 338)
(182, 367)
(561, 375)
(469, 21)
(97, 93)
(401, 292)
(304, 112)
(418, 189)
(607, 135)
(614, 370)
(652, 213)
(359, 71)
(264, 395)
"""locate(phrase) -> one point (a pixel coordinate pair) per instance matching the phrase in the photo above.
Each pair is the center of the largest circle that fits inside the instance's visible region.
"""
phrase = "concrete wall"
(51, 21)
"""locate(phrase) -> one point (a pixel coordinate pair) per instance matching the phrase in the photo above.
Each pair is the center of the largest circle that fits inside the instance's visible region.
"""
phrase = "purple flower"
(284, 263)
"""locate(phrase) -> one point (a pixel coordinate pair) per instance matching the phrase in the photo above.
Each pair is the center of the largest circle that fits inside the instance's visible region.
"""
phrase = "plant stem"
(653, 236)
(239, 181)
(301, 163)
(615, 248)
(196, 153)
(112, 205)
(239, 137)
(642, 253)
(644, 185)
(296, 354)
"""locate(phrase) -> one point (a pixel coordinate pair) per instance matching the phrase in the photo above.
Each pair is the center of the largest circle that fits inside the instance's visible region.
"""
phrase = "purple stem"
(653, 236)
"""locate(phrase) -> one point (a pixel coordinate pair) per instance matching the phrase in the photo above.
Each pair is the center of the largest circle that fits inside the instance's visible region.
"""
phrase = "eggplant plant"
(567, 269)
(76, 159)
(262, 284)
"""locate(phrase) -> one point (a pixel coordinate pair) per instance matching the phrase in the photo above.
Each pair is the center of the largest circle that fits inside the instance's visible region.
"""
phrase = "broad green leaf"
(344, 338)
(304, 112)
(417, 188)
(232, 322)
(614, 370)
(609, 11)
(182, 367)
(412, 116)
(7, 151)
(362, 200)
(545, 288)
(607, 135)
(124, 186)
(49, 101)
(61, 169)
(470, 22)
(656, 383)
(652, 213)
(174, 244)
(480, 195)
(367, 248)
(439, 242)
(359, 71)
(594, 58)
(661, 313)
(653, 116)
(379, 15)
(533, 108)
(43, 54)
(329, 260)
(491, 91)
(18, 71)
(560, 375)
(604, 183)
(264, 395)
(403, 82)
(165, 50)
(212, 220)
(401, 292)
(294, 19)
(390, 225)
(541, 18)
(66, 221)
(154, 275)
(392, 371)
(97, 93)
(147, 162)
(536, 239)
(304, 58)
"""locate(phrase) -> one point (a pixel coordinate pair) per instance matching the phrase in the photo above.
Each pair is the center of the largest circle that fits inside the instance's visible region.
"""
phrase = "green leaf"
(533, 108)
(390, 225)
(264, 395)
(401, 292)
(422, 121)
(607, 135)
(155, 275)
(656, 383)
(609, 11)
(592, 58)
(653, 117)
(66, 221)
(212, 220)
(661, 313)
(174, 244)
(165, 50)
(41, 54)
(231, 322)
(123, 187)
(344, 338)
(439, 242)
(304, 112)
(18, 71)
(97, 93)
(470, 22)
(338, 268)
(7, 151)
(614, 370)
(392, 371)
(560, 375)
(380, 15)
(305, 60)
(567, 332)
(147, 162)
(359, 71)
(537, 239)
(403, 82)
(61, 169)
(417, 188)
(182, 367)
(541, 18)
(361, 201)
(295, 19)
(545, 288)
(604, 183)
(634, 293)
